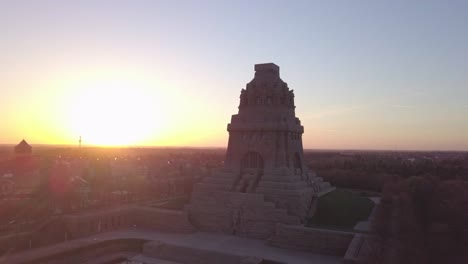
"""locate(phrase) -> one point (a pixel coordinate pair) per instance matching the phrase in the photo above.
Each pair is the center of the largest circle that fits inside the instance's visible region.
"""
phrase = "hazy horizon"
(367, 75)
(223, 147)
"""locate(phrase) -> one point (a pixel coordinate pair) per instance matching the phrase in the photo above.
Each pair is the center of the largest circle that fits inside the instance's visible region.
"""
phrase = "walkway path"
(200, 240)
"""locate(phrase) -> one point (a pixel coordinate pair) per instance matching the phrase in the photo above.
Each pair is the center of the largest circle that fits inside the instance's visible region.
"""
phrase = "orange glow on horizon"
(115, 113)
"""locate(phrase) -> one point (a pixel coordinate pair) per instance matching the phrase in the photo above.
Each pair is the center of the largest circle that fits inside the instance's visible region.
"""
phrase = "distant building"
(23, 149)
(22, 170)
(7, 186)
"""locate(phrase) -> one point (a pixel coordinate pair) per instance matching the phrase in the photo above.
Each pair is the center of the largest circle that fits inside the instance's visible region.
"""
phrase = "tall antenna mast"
(79, 143)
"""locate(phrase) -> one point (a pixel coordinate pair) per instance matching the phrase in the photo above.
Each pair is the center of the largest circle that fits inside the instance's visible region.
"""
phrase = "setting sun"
(114, 113)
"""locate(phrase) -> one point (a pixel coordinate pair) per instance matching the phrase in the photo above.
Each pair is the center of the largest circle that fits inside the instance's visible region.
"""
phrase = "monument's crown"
(266, 69)
(266, 90)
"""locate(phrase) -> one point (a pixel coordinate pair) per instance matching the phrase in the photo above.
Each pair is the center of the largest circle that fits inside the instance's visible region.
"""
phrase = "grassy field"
(341, 209)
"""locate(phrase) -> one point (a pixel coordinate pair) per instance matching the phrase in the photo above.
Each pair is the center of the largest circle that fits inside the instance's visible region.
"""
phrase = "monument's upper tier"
(266, 90)
(266, 102)
(269, 69)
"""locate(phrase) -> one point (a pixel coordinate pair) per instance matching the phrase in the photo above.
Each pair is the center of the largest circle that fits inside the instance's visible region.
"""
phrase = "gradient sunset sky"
(366, 74)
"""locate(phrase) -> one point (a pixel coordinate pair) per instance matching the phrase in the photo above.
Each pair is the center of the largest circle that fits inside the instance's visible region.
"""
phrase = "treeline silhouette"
(421, 219)
(370, 170)
(423, 214)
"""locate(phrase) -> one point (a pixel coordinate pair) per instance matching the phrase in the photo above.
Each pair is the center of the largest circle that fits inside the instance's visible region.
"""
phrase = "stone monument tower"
(264, 180)
(266, 135)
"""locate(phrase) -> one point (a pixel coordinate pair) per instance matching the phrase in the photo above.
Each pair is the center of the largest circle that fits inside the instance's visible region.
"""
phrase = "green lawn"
(341, 209)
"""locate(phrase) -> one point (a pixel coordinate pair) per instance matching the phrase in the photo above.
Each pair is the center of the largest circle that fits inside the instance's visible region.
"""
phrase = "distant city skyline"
(366, 74)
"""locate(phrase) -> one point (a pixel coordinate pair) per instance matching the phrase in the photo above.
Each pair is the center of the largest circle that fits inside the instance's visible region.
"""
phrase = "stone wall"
(358, 250)
(62, 228)
(320, 241)
(243, 214)
(14, 242)
(191, 255)
(127, 217)
(92, 251)
(90, 223)
(182, 254)
(45, 232)
(117, 250)
(160, 219)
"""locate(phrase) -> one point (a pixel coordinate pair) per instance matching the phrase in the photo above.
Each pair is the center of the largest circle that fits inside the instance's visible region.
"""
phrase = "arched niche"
(251, 170)
(297, 163)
